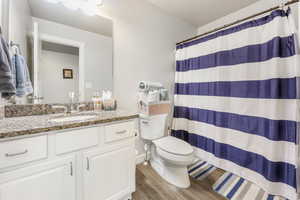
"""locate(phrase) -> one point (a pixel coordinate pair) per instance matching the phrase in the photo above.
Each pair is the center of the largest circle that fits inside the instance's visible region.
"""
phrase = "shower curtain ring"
(282, 4)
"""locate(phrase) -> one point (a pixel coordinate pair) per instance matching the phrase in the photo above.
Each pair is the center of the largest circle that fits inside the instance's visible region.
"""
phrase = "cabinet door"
(110, 175)
(51, 181)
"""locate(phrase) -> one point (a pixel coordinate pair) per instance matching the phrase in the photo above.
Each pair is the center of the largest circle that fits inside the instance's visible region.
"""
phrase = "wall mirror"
(68, 48)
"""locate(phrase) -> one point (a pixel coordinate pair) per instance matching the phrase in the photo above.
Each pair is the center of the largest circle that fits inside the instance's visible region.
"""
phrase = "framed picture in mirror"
(68, 73)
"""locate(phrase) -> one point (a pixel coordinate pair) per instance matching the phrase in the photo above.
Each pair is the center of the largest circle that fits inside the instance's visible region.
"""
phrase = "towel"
(21, 76)
(7, 86)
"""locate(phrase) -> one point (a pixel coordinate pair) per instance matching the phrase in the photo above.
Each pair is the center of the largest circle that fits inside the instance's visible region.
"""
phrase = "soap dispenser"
(97, 101)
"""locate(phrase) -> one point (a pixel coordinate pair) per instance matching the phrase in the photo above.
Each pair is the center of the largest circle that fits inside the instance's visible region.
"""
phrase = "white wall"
(19, 23)
(245, 12)
(2, 14)
(53, 87)
(4, 17)
(98, 54)
(144, 48)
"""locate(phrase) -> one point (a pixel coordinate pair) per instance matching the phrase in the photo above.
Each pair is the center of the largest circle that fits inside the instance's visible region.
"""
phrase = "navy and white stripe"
(245, 26)
(236, 188)
(256, 162)
(200, 170)
(248, 54)
(276, 130)
(277, 88)
(236, 101)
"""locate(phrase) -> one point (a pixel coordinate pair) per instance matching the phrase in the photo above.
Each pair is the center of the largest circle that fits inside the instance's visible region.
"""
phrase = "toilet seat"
(174, 146)
(174, 159)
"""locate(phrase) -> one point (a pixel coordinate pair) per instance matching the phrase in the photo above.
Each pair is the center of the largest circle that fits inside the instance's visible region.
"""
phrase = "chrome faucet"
(66, 108)
(69, 109)
(72, 107)
(79, 107)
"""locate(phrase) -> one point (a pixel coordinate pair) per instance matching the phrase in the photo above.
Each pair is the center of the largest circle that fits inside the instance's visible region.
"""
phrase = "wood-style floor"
(150, 186)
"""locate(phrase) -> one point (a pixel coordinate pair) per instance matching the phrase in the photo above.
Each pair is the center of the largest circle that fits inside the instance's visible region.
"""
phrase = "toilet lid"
(173, 145)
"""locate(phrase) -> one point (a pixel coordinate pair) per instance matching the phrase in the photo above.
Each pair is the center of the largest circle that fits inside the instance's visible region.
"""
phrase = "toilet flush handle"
(145, 122)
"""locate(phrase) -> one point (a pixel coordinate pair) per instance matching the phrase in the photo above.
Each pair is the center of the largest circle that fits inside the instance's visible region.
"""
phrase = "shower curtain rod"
(236, 22)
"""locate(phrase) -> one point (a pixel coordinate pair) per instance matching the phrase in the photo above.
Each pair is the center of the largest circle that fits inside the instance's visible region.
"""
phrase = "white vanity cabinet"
(89, 163)
(114, 168)
(113, 165)
(48, 181)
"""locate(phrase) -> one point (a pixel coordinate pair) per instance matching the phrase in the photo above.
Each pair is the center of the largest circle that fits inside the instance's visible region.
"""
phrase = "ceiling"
(195, 12)
(60, 14)
(200, 12)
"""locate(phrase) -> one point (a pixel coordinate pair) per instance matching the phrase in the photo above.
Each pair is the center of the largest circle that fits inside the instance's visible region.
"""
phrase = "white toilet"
(169, 156)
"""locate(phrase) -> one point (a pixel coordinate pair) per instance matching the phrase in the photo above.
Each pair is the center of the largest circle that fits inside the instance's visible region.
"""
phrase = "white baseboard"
(140, 158)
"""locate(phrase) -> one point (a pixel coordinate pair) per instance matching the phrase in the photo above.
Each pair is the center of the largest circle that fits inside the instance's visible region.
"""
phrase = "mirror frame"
(64, 41)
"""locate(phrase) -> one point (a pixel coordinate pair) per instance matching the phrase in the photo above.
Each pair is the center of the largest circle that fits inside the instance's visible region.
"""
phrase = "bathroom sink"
(72, 118)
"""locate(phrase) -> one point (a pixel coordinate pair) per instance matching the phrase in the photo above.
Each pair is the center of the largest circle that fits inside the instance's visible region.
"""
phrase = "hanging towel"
(21, 76)
(7, 86)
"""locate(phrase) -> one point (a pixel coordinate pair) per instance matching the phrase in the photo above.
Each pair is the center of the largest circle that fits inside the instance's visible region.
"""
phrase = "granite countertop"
(22, 126)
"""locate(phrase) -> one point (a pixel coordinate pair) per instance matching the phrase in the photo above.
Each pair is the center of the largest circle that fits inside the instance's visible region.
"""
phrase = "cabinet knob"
(145, 122)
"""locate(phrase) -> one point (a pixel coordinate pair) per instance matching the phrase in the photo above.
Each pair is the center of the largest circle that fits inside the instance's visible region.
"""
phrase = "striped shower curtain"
(236, 101)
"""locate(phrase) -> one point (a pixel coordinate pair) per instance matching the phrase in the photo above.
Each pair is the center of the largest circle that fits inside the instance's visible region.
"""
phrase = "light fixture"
(72, 4)
(99, 2)
(53, 1)
(89, 7)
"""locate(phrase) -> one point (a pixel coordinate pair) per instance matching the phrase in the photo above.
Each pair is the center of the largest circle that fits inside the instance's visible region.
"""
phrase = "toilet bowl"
(169, 156)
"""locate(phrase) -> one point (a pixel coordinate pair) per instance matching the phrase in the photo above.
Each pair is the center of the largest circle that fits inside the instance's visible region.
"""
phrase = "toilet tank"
(153, 127)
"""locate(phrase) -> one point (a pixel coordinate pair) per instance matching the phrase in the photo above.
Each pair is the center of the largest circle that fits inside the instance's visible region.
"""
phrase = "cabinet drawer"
(119, 131)
(21, 151)
(76, 140)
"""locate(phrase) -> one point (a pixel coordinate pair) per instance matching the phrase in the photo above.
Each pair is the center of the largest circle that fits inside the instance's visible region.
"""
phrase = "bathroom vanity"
(52, 161)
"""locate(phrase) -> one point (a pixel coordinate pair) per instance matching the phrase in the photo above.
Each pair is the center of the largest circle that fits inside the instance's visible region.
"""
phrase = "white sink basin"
(72, 118)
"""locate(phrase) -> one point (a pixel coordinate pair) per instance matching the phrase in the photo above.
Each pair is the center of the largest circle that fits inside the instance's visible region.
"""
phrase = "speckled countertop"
(22, 126)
